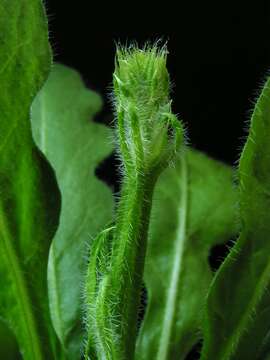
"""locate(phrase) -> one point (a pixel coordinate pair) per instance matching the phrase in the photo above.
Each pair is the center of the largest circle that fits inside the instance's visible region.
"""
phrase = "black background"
(219, 58)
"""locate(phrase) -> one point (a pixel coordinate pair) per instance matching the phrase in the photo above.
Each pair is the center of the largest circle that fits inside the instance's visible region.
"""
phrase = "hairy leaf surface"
(64, 130)
(28, 195)
(193, 210)
(238, 316)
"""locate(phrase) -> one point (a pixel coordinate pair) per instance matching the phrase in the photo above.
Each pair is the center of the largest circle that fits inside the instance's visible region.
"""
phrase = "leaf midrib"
(54, 302)
(169, 313)
(32, 341)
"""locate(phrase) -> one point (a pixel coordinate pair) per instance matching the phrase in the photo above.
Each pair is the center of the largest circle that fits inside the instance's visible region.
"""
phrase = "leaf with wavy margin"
(193, 210)
(64, 130)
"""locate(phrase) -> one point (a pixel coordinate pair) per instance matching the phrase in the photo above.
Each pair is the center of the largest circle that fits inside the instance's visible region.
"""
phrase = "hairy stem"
(149, 137)
(128, 255)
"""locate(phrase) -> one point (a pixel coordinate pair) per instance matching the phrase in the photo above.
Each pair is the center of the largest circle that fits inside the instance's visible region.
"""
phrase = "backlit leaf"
(64, 130)
(193, 210)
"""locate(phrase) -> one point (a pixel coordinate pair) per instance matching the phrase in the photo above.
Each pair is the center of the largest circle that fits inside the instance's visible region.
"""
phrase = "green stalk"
(128, 254)
(149, 137)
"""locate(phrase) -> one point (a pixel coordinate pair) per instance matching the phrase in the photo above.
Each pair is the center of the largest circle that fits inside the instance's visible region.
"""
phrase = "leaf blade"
(25, 58)
(176, 268)
(247, 263)
(64, 131)
(175, 231)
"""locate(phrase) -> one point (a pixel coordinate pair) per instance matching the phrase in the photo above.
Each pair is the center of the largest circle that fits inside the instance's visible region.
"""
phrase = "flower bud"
(141, 91)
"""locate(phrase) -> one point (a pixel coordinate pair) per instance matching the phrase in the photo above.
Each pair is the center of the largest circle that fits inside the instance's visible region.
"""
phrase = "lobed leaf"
(64, 131)
(193, 210)
(29, 201)
(237, 316)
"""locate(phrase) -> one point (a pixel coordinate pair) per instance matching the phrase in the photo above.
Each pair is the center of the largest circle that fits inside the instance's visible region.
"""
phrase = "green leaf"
(238, 317)
(8, 345)
(28, 197)
(193, 210)
(64, 130)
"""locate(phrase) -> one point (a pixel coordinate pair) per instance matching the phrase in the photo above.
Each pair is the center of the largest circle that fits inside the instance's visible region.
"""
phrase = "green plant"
(143, 108)
(72, 267)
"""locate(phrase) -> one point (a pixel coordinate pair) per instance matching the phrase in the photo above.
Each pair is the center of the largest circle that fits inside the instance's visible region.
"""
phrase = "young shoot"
(149, 136)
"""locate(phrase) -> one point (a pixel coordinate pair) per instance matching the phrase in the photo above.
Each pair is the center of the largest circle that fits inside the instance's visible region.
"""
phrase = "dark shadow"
(107, 171)
(194, 354)
(218, 254)
(104, 117)
(142, 307)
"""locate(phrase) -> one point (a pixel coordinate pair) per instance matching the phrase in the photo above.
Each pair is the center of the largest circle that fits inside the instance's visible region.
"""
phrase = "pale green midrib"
(54, 302)
(34, 349)
(241, 328)
(176, 270)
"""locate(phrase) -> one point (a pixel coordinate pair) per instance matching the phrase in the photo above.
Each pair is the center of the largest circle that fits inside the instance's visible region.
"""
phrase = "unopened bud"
(149, 134)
